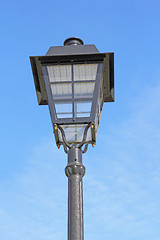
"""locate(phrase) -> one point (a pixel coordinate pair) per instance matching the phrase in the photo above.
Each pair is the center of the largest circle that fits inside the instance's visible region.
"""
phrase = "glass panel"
(64, 110)
(61, 90)
(74, 133)
(82, 109)
(82, 115)
(84, 106)
(99, 107)
(64, 115)
(59, 73)
(84, 89)
(85, 72)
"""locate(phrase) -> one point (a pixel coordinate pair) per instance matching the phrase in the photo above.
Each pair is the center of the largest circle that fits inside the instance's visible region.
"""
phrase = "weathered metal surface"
(108, 77)
(72, 50)
(75, 171)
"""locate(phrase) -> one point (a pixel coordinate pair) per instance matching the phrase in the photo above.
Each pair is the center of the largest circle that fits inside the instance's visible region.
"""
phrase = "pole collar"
(75, 168)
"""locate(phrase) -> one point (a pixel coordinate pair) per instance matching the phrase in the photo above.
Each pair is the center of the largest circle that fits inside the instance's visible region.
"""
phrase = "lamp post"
(74, 80)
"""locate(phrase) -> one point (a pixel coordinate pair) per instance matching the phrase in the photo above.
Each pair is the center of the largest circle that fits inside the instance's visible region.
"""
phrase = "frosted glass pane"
(59, 73)
(85, 72)
(61, 90)
(84, 89)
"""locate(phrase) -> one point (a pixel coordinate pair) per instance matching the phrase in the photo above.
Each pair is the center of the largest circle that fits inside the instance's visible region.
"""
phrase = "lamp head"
(74, 80)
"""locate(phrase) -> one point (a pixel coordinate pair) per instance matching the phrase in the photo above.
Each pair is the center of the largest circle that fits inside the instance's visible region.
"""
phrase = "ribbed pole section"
(75, 172)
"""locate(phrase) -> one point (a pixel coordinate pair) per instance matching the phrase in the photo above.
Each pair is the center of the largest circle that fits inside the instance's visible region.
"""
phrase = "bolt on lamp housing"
(74, 80)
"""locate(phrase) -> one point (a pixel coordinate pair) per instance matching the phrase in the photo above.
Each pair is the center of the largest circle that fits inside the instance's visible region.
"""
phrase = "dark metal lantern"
(74, 80)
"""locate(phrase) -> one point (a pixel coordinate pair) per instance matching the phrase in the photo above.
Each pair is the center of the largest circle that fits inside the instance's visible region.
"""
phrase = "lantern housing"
(74, 81)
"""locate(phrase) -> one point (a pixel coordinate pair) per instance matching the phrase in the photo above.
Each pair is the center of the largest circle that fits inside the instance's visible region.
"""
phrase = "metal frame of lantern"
(105, 63)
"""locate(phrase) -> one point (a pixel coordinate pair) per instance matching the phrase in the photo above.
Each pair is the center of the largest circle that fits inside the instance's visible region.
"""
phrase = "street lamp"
(74, 80)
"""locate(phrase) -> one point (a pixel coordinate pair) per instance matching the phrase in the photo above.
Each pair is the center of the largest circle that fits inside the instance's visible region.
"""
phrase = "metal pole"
(75, 171)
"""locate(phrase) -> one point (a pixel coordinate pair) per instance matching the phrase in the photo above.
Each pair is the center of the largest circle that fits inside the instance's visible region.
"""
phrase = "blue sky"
(122, 181)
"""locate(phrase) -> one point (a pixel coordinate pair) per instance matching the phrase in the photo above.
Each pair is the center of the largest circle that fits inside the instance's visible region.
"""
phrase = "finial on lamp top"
(73, 41)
